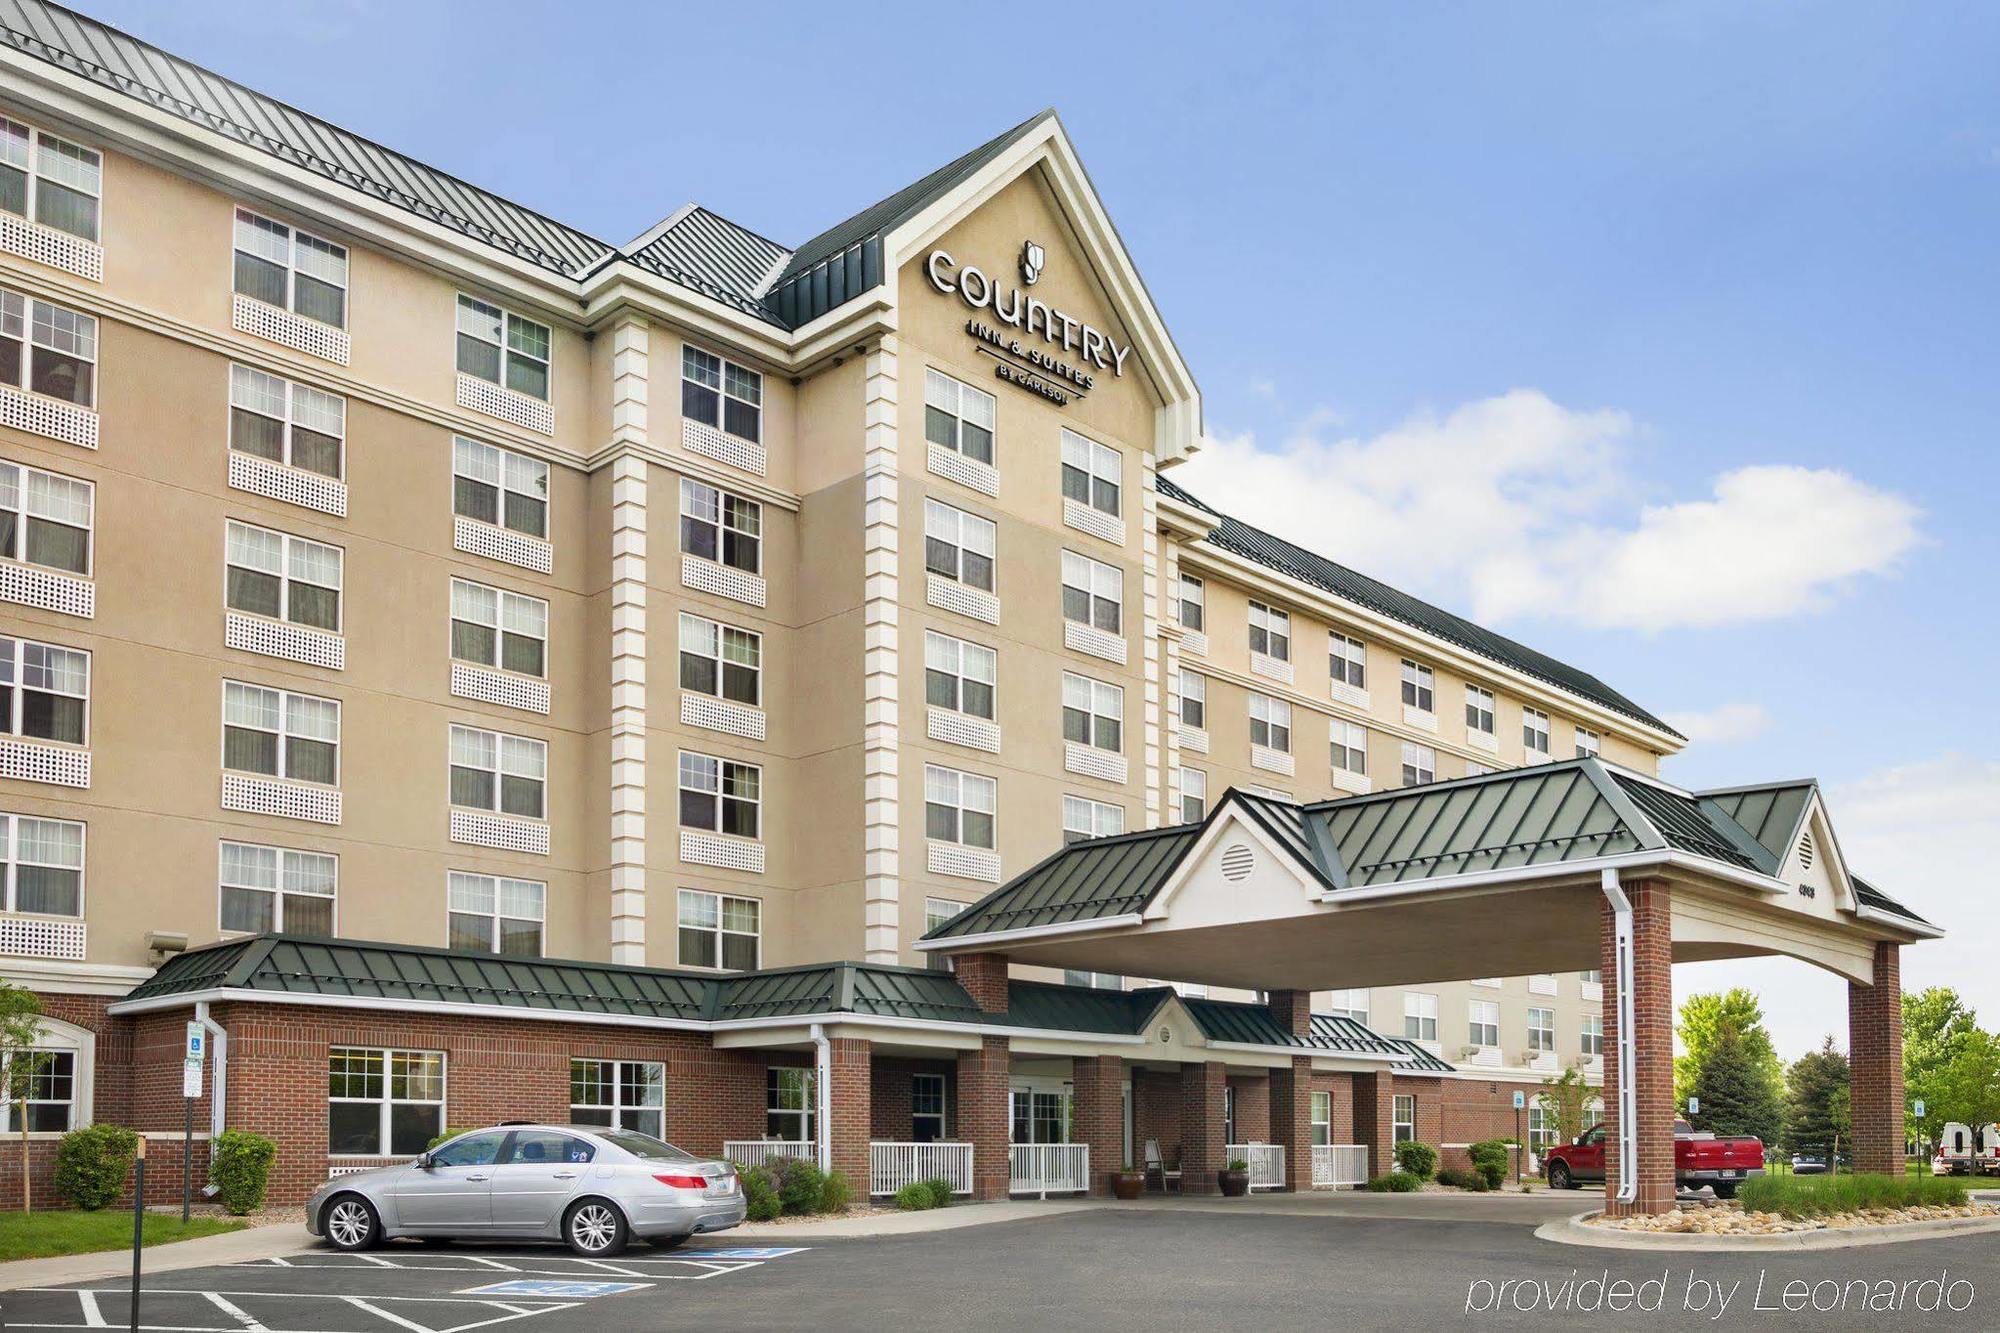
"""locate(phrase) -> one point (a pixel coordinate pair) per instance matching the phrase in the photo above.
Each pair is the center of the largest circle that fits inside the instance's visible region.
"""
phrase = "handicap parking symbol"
(545, 1287)
(745, 1252)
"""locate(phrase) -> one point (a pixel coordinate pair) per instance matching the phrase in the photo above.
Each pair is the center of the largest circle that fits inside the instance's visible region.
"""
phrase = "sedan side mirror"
(422, 1162)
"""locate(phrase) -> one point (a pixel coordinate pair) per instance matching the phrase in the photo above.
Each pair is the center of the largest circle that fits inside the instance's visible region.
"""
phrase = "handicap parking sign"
(548, 1287)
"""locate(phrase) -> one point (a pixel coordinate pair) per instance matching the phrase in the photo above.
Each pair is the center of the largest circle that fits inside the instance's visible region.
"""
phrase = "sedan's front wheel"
(351, 1224)
(594, 1229)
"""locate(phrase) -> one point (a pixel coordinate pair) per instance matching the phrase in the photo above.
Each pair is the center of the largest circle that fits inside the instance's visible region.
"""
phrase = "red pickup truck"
(1699, 1160)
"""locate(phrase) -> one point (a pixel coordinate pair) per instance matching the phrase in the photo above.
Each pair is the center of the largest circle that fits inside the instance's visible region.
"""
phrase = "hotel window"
(494, 914)
(500, 487)
(496, 628)
(1194, 603)
(1194, 795)
(618, 1094)
(491, 770)
(1588, 741)
(718, 526)
(1093, 593)
(717, 930)
(1350, 747)
(1347, 660)
(1591, 1037)
(383, 1103)
(45, 519)
(722, 394)
(1322, 1118)
(1541, 1126)
(277, 888)
(1270, 723)
(1479, 710)
(44, 691)
(1351, 1003)
(49, 1091)
(789, 1104)
(1403, 1118)
(926, 1108)
(279, 734)
(1419, 687)
(1474, 769)
(1535, 732)
(958, 676)
(1194, 700)
(292, 424)
(1594, 977)
(958, 807)
(503, 348)
(937, 911)
(1270, 632)
(1419, 764)
(1541, 1030)
(959, 546)
(1484, 1016)
(48, 349)
(721, 661)
(291, 269)
(1090, 819)
(282, 577)
(1092, 473)
(958, 417)
(1091, 981)
(41, 861)
(53, 181)
(1420, 1016)
(721, 795)
(1093, 713)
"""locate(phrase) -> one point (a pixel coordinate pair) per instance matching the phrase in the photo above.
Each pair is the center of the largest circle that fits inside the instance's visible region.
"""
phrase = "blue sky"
(1693, 299)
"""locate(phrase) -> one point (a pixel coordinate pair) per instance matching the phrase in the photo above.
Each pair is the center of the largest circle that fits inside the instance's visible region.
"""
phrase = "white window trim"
(722, 765)
(1099, 462)
(1187, 791)
(1191, 687)
(16, 665)
(961, 779)
(957, 672)
(1542, 1036)
(496, 916)
(1397, 1123)
(1483, 1021)
(1276, 718)
(1199, 600)
(55, 1037)
(960, 392)
(292, 235)
(284, 733)
(24, 511)
(963, 523)
(722, 394)
(1420, 761)
(1101, 693)
(1345, 741)
(618, 1105)
(503, 490)
(1275, 623)
(1479, 709)
(10, 863)
(507, 352)
(1093, 812)
(499, 770)
(1347, 650)
(388, 1100)
(29, 347)
(294, 392)
(286, 541)
(691, 491)
(1095, 573)
(278, 891)
(33, 170)
(1419, 681)
(718, 930)
(501, 597)
(719, 658)
(1423, 1007)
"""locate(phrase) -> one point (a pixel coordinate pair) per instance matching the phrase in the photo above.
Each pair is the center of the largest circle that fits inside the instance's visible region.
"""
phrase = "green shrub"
(1491, 1159)
(1819, 1196)
(833, 1193)
(801, 1185)
(1419, 1159)
(1237, 1164)
(240, 1165)
(760, 1196)
(940, 1190)
(915, 1197)
(1396, 1182)
(92, 1163)
(448, 1135)
(1465, 1180)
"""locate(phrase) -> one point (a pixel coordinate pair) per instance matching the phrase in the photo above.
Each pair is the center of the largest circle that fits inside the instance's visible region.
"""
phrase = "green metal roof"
(1770, 814)
(853, 988)
(1083, 882)
(1870, 896)
(1044, 1005)
(1422, 1061)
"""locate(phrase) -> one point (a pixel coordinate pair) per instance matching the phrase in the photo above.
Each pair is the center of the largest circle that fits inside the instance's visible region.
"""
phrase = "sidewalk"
(906, 1224)
(232, 1247)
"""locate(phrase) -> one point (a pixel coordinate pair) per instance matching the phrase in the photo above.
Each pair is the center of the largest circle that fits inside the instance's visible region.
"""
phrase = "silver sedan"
(593, 1187)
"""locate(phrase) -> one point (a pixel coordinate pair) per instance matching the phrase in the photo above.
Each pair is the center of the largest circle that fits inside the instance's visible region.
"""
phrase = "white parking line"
(234, 1311)
(93, 1317)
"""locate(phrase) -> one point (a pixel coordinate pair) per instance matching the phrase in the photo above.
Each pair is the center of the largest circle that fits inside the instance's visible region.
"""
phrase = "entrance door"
(1041, 1113)
(455, 1191)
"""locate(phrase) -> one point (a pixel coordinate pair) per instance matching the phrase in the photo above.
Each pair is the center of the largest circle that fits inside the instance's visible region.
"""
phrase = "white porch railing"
(756, 1152)
(1267, 1163)
(1340, 1164)
(894, 1165)
(1049, 1168)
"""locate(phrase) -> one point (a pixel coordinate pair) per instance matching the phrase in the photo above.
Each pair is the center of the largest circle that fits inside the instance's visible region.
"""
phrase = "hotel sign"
(1038, 347)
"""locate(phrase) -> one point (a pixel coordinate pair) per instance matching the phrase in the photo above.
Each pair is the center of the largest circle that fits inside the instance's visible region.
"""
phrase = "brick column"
(1201, 1127)
(1375, 1120)
(984, 1120)
(1653, 1033)
(850, 1110)
(1292, 1009)
(1291, 1119)
(984, 977)
(1099, 1118)
(1875, 1054)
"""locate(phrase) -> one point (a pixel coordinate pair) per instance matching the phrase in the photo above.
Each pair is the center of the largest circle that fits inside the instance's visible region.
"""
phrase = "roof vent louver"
(1237, 862)
(1806, 850)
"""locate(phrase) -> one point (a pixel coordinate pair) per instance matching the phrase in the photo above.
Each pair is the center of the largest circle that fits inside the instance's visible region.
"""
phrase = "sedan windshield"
(644, 1145)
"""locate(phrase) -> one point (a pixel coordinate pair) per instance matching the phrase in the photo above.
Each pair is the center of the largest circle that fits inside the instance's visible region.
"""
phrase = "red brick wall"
(1201, 1126)
(1653, 1035)
(1340, 1101)
(889, 1099)
(111, 1085)
(1098, 1082)
(1156, 1114)
(1292, 1009)
(1373, 1125)
(1875, 1053)
(984, 1118)
(1475, 1109)
(1252, 1095)
(850, 1079)
(1291, 1119)
(984, 977)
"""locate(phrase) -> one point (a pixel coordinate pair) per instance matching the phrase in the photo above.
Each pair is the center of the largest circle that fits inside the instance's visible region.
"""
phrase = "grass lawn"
(42, 1235)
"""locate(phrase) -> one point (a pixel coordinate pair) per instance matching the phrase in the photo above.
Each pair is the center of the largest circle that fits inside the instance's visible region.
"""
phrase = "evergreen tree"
(1735, 1095)
(1703, 1019)
(1818, 1087)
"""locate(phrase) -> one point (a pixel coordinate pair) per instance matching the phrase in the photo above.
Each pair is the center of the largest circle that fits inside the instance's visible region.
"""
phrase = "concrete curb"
(234, 1247)
(1576, 1231)
(902, 1224)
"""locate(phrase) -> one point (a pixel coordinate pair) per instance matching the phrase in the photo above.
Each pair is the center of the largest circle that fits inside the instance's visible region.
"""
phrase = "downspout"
(822, 1096)
(1628, 1045)
(218, 1042)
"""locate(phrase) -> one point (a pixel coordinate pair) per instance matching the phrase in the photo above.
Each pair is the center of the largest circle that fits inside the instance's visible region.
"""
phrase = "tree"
(1563, 1099)
(1703, 1018)
(1941, 1057)
(1967, 1086)
(1818, 1085)
(20, 1029)
(1735, 1094)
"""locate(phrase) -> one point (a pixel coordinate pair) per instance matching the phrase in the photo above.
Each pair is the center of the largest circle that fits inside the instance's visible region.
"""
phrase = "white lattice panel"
(1357, 783)
(707, 576)
(57, 249)
(1417, 717)
(32, 761)
(39, 937)
(955, 466)
(48, 416)
(513, 548)
(1090, 639)
(698, 710)
(259, 320)
(1194, 740)
(1352, 696)
(294, 643)
(1271, 668)
(976, 733)
(287, 800)
(1093, 521)
(499, 687)
(47, 590)
(1194, 641)
(484, 396)
(948, 858)
(1092, 762)
(949, 595)
(1482, 740)
(706, 440)
(1272, 761)
(505, 832)
(706, 849)
(275, 481)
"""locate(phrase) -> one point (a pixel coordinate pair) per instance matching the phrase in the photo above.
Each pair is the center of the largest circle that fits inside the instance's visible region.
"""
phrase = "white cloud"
(1727, 725)
(1518, 506)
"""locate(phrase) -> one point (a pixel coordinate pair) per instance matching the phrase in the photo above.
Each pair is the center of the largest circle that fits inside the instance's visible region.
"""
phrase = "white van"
(1955, 1151)
(1987, 1160)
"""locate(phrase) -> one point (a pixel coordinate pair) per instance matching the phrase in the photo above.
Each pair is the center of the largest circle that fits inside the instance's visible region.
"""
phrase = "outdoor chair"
(1158, 1177)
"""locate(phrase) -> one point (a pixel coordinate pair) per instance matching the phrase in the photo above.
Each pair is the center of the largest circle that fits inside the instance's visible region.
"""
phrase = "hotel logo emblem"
(1033, 257)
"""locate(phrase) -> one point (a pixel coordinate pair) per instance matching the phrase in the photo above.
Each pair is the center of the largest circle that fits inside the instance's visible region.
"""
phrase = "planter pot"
(1128, 1184)
(1234, 1184)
